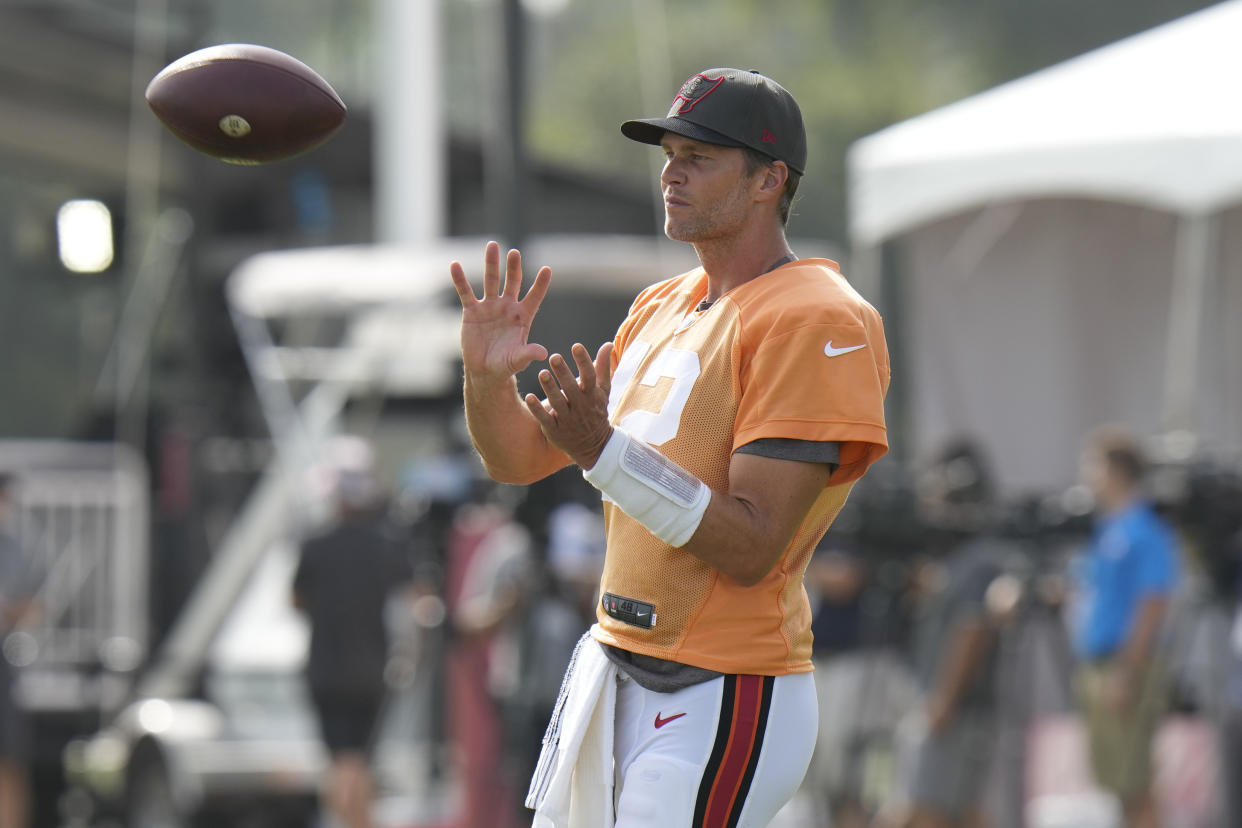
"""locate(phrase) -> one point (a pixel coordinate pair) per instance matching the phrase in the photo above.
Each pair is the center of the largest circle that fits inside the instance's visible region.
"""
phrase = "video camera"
(1202, 497)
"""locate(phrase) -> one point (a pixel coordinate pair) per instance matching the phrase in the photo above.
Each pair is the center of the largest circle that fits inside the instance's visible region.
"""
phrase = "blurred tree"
(854, 65)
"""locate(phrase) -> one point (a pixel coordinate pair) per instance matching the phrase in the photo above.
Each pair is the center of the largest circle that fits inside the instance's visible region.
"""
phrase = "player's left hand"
(574, 412)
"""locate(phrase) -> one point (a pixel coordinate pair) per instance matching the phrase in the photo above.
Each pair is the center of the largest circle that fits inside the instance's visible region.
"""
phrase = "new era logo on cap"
(732, 108)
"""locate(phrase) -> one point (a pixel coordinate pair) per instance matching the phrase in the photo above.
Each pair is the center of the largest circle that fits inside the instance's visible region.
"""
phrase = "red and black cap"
(732, 108)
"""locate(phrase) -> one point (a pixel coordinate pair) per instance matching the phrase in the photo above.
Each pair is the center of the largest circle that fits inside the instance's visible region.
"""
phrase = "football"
(245, 104)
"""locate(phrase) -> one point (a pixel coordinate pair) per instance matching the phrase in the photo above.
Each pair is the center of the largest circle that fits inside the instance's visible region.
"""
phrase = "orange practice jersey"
(795, 353)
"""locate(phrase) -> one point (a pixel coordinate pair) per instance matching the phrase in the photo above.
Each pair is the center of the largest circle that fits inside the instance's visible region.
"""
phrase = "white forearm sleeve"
(650, 488)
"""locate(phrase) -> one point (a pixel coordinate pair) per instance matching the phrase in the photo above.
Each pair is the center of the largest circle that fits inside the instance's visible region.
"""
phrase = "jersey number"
(682, 367)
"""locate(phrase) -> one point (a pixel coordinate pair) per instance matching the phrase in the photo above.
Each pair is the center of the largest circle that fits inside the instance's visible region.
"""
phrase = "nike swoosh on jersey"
(831, 351)
(659, 723)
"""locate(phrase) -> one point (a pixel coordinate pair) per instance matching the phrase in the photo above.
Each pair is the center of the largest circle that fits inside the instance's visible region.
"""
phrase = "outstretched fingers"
(491, 277)
(595, 373)
(540, 411)
(513, 274)
(513, 282)
(538, 290)
(586, 369)
(464, 291)
(492, 281)
(491, 270)
(556, 384)
(603, 367)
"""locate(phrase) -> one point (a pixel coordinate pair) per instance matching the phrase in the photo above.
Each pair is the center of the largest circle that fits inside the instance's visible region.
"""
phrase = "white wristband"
(650, 488)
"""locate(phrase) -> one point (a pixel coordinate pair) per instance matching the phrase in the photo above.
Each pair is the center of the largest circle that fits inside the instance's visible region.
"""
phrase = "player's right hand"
(494, 329)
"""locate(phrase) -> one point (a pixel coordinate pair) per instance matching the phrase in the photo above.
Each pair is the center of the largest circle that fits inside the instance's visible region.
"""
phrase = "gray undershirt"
(806, 451)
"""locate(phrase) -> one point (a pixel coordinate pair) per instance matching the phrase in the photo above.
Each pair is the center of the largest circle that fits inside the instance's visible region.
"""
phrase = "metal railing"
(82, 516)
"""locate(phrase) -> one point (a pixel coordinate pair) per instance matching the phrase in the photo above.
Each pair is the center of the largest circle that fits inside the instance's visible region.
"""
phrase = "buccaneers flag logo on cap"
(693, 91)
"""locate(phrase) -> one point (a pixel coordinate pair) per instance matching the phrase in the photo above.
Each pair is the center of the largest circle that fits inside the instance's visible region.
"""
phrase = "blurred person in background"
(344, 578)
(861, 686)
(523, 595)
(1231, 735)
(955, 640)
(487, 573)
(19, 582)
(498, 590)
(1123, 584)
(561, 607)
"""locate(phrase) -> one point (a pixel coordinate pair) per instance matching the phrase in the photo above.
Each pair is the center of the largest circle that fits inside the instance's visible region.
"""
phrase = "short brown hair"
(756, 161)
(1121, 451)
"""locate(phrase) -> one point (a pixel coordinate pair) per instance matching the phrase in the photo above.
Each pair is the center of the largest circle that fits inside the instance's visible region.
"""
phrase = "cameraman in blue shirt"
(1124, 582)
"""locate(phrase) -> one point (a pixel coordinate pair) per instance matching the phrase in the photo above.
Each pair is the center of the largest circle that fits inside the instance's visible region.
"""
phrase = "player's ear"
(772, 179)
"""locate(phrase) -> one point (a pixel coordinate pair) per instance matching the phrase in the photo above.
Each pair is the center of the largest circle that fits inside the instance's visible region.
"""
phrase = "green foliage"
(854, 65)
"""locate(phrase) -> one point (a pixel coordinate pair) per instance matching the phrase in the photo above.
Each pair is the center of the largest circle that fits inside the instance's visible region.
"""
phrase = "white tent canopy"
(1067, 250)
(1153, 119)
(344, 279)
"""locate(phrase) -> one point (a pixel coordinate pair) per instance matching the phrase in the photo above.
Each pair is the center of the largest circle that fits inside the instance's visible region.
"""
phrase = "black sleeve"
(402, 563)
(806, 451)
(398, 555)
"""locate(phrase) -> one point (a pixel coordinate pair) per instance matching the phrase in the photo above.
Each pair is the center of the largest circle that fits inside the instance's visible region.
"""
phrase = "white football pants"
(728, 752)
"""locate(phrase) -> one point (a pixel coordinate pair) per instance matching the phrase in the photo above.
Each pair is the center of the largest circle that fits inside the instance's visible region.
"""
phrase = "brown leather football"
(245, 104)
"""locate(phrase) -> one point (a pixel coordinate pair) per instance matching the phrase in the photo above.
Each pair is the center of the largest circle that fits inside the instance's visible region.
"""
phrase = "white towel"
(573, 782)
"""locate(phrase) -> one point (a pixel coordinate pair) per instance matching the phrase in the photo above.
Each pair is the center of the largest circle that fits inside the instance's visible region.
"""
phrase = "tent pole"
(873, 273)
(1193, 266)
